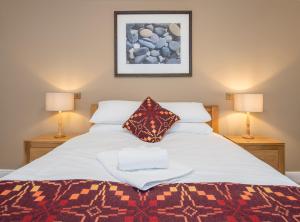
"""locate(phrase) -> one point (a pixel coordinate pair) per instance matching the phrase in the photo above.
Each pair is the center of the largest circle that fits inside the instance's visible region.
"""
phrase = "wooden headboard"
(213, 110)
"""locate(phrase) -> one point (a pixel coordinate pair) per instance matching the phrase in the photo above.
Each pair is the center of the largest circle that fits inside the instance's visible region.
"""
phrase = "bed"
(227, 184)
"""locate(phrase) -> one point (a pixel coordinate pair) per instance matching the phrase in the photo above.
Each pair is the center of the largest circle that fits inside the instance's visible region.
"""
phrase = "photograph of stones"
(153, 43)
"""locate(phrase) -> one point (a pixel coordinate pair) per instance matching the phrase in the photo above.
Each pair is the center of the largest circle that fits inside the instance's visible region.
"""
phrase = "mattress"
(212, 157)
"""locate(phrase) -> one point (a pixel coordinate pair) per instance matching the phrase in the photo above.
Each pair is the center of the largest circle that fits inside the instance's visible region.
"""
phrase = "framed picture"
(153, 43)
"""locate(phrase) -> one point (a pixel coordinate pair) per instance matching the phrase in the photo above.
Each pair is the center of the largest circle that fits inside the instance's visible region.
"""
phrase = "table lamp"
(59, 102)
(248, 103)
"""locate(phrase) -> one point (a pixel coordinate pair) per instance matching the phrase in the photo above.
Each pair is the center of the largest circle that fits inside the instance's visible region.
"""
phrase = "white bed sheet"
(213, 158)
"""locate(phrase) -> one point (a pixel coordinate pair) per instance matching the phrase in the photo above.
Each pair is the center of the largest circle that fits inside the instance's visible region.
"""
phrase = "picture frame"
(153, 43)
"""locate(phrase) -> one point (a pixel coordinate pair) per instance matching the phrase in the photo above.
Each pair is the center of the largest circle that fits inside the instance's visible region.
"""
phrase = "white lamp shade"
(248, 102)
(59, 101)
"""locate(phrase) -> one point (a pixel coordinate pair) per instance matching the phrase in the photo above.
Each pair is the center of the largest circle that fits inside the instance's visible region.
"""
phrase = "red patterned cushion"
(150, 122)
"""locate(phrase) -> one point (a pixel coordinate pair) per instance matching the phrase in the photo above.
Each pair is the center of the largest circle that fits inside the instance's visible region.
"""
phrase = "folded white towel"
(141, 179)
(142, 158)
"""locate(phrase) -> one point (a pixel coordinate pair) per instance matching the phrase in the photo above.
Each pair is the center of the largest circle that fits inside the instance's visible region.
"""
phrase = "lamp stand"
(248, 134)
(60, 128)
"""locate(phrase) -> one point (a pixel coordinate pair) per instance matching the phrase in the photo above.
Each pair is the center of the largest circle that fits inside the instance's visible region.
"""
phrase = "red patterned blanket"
(86, 200)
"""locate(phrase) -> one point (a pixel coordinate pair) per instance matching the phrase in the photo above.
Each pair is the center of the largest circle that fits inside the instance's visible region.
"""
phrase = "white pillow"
(189, 112)
(197, 128)
(118, 111)
(114, 111)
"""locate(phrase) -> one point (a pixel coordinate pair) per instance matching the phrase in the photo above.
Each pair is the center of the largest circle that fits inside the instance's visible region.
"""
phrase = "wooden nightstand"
(267, 149)
(39, 146)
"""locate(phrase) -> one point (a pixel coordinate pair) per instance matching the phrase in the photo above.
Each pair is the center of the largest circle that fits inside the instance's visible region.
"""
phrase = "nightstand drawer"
(44, 145)
(269, 150)
(41, 145)
(261, 147)
(37, 152)
(270, 157)
(270, 154)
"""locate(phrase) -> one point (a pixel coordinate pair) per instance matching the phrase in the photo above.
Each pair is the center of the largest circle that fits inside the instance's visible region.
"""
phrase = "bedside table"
(39, 146)
(267, 149)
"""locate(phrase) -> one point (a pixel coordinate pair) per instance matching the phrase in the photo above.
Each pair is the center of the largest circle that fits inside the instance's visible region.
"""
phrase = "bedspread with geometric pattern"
(88, 200)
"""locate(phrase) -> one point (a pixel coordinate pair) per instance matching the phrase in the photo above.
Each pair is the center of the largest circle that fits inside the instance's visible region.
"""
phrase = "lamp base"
(59, 136)
(60, 132)
(248, 137)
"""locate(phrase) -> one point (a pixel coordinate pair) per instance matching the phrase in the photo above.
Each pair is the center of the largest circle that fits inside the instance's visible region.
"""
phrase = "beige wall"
(67, 45)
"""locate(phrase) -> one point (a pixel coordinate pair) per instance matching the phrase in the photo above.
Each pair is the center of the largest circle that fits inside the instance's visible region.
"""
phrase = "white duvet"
(212, 157)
